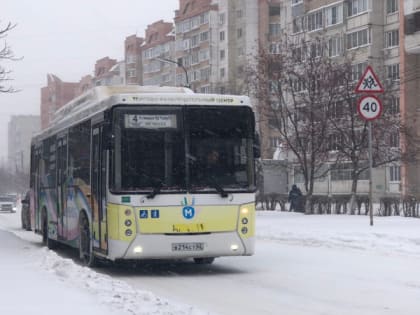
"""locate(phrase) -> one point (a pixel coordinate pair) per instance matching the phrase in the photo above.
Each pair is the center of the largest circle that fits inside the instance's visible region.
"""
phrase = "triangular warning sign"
(369, 82)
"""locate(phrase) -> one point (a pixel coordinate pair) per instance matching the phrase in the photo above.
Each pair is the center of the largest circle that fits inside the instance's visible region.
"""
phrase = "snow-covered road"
(303, 265)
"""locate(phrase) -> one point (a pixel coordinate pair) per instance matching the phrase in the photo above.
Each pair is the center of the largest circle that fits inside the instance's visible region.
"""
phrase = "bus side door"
(62, 186)
(98, 197)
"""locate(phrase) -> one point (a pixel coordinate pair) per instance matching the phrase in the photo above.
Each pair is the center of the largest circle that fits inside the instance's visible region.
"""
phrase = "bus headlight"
(127, 222)
(234, 247)
(128, 232)
(244, 230)
(127, 212)
(138, 250)
(244, 210)
(244, 220)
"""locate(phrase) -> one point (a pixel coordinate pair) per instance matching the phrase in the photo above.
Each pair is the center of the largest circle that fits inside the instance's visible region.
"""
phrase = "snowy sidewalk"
(388, 236)
(37, 281)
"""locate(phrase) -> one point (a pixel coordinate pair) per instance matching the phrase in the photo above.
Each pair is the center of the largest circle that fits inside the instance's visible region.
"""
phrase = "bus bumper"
(154, 246)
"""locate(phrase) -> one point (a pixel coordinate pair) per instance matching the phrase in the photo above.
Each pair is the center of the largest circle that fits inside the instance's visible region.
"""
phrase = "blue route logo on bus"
(188, 211)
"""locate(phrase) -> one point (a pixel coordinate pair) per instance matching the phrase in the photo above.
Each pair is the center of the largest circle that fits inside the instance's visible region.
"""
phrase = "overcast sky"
(66, 38)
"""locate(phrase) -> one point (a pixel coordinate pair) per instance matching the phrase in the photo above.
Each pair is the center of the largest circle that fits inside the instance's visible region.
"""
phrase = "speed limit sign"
(369, 107)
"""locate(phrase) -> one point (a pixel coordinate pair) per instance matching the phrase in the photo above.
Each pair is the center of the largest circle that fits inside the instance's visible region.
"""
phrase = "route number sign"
(369, 107)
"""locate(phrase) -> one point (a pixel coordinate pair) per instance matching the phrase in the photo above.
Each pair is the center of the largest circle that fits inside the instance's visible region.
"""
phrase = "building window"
(296, 2)
(315, 21)
(222, 36)
(299, 24)
(274, 10)
(334, 15)
(357, 70)
(222, 54)
(335, 46)
(195, 41)
(335, 110)
(205, 89)
(344, 171)
(357, 39)
(394, 173)
(239, 33)
(275, 142)
(205, 74)
(222, 72)
(391, 6)
(204, 55)
(394, 105)
(274, 48)
(239, 14)
(392, 38)
(394, 140)
(356, 6)
(274, 29)
(298, 175)
(194, 58)
(132, 73)
(204, 36)
(393, 72)
(222, 18)
(241, 51)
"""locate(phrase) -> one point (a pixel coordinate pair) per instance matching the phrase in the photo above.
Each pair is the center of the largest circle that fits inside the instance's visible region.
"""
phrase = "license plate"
(185, 247)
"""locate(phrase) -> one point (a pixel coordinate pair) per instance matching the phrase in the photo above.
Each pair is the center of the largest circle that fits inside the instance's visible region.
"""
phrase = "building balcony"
(412, 33)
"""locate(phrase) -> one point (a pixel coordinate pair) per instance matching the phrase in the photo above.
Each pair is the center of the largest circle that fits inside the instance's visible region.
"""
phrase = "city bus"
(130, 173)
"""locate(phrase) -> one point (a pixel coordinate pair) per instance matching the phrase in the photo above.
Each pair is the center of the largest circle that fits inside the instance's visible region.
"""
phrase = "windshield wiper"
(219, 188)
(156, 190)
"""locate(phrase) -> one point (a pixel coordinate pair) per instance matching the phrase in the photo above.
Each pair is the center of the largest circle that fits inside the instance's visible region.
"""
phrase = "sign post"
(369, 108)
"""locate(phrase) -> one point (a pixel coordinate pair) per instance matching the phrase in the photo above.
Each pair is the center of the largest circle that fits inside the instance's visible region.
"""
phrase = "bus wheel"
(204, 260)
(85, 243)
(51, 244)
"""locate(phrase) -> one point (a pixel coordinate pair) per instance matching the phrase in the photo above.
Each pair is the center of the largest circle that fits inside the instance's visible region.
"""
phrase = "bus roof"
(100, 98)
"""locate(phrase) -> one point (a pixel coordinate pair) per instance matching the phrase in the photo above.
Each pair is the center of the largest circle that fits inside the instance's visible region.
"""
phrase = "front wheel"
(51, 244)
(204, 260)
(85, 243)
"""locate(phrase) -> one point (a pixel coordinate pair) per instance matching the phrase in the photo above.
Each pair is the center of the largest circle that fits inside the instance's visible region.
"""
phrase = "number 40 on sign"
(369, 107)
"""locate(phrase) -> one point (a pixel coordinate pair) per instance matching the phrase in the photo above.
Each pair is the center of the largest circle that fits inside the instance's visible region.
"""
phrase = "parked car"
(25, 213)
(7, 203)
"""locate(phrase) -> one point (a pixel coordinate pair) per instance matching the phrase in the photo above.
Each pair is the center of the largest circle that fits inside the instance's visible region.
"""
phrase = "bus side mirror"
(256, 146)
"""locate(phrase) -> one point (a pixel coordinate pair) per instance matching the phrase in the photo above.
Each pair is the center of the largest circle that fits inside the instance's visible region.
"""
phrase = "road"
(283, 279)
(296, 277)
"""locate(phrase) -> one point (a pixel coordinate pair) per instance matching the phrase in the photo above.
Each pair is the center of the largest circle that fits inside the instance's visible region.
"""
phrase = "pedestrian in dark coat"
(294, 198)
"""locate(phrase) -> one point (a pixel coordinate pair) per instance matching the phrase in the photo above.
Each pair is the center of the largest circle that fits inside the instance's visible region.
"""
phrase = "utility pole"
(179, 64)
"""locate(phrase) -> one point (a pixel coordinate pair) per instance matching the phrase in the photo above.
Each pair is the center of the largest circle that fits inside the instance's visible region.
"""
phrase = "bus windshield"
(178, 149)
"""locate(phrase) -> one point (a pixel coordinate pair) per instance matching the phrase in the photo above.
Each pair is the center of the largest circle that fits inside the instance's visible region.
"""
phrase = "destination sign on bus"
(150, 121)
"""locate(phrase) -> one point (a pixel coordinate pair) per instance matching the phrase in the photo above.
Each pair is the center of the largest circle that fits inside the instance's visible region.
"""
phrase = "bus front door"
(62, 187)
(98, 197)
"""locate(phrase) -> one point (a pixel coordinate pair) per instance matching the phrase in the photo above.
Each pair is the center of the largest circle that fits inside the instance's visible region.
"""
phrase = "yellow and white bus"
(131, 173)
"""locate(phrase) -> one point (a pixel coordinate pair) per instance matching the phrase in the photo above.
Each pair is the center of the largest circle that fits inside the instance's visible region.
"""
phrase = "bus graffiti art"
(131, 173)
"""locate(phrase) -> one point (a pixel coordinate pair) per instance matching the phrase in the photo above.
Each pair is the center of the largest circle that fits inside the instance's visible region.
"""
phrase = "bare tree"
(6, 53)
(309, 98)
(294, 87)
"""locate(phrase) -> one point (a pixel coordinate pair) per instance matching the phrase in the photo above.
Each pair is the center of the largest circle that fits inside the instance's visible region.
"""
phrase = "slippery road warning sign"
(369, 107)
(369, 82)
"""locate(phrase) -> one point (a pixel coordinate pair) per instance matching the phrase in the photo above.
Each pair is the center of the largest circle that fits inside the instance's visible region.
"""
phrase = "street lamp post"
(179, 65)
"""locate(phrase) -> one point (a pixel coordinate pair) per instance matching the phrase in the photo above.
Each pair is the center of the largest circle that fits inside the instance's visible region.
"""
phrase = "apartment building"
(410, 85)
(366, 30)
(158, 49)
(214, 40)
(21, 128)
(133, 60)
(54, 96)
(109, 72)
